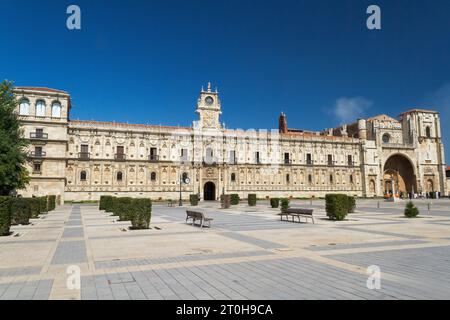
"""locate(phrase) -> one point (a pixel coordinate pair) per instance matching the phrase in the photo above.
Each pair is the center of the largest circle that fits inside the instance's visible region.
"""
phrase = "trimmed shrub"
(193, 199)
(274, 202)
(252, 199)
(234, 200)
(411, 211)
(140, 213)
(284, 204)
(336, 206)
(108, 203)
(43, 205)
(101, 205)
(5, 215)
(123, 208)
(225, 200)
(35, 207)
(351, 204)
(20, 211)
(51, 202)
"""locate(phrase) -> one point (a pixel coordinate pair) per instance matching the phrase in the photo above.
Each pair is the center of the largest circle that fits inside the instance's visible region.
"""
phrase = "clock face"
(209, 101)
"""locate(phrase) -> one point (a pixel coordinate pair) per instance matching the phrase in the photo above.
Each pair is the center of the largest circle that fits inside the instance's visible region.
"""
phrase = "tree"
(13, 173)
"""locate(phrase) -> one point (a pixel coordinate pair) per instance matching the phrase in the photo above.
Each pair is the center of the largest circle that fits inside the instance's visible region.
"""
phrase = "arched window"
(428, 132)
(40, 108)
(386, 138)
(309, 178)
(24, 108)
(153, 176)
(331, 178)
(288, 178)
(119, 176)
(233, 177)
(56, 110)
(83, 176)
(351, 178)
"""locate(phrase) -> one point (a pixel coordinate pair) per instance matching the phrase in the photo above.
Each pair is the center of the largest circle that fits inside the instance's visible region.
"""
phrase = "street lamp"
(184, 180)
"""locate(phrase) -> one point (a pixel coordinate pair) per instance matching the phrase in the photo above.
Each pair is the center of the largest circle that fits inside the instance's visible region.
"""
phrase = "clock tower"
(208, 109)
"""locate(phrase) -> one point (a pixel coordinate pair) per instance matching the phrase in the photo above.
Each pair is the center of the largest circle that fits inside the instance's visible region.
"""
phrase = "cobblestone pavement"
(248, 253)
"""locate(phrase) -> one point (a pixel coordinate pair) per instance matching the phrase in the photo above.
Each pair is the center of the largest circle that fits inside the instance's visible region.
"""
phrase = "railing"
(120, 157)
(38, 135)
(37, 154)
(398, 145)
(310, 162)
(153, 158)
(84, 155)
(288, 162)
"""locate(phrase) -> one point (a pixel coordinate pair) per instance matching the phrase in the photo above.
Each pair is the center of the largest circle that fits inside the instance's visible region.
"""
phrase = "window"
(428, 132)
(350, 160)
(386, 138)
(209, 156)
(257, 159)
(56, 110)
(232, 157)
(37, 167)
(153, 154)
(119, 176)
(286, 158)
(38, 151)
(153, 176)
(308, 158)
(288, 178)
(233, 177)
(83, 176)
(331, 178)
(330, 159)
(40, 108)
(351, 178)
(309, 178)
(184, 177)
(24, 108)
(184, 155)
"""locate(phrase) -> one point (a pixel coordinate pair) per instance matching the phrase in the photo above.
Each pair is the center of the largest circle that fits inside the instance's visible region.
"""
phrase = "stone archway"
(209, 191)
(399, 170)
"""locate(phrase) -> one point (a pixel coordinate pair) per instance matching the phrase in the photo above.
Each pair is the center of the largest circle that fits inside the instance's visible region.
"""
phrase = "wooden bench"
(305, 213)
(196, 215)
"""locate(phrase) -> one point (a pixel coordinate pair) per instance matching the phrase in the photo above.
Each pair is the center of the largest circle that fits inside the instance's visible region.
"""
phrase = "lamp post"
(185, 181)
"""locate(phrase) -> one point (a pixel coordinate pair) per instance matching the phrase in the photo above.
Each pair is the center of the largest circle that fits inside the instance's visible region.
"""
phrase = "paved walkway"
(247, 254)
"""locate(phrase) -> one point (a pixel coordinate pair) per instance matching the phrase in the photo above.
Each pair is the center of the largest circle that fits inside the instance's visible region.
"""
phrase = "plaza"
(248, 253)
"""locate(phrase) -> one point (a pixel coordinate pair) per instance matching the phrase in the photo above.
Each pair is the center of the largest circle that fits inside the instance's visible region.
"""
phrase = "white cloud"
(348, 110)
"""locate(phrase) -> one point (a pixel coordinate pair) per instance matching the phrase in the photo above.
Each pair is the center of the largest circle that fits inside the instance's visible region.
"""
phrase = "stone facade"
(81, 160)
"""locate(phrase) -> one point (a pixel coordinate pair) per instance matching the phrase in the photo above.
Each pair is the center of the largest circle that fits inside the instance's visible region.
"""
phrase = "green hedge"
(140, 213)
(351, 204)
(123, 208)
(336, 206)
(234, 199)
(20, 211)
(5, 215)
(411, 211)
(108, 203)
(274, 202)
(35, 207)
(252, 199)
(51, 202)
(193, 198)
(284, 204)
(101, 205)
(43, 205)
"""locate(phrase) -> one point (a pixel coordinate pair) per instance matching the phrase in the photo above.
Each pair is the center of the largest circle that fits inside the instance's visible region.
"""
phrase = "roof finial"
(209, 86)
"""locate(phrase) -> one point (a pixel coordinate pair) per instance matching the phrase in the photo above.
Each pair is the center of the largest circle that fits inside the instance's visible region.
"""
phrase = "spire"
(209, 86)
(282, 123)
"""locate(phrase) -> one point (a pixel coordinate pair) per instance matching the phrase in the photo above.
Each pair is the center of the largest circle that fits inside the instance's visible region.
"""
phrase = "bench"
(305, 213)
(170, 203)
(196, 215)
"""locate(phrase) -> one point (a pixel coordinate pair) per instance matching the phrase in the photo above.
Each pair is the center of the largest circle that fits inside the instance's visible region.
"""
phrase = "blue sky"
(145, 61)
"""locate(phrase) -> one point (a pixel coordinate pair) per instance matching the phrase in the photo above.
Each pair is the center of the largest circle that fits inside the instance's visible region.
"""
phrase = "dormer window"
(56, 110)
(40, 108)
(24, 108)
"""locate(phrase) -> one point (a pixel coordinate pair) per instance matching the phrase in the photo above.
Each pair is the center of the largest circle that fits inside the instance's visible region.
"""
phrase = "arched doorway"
(399, 170)
(209, 191)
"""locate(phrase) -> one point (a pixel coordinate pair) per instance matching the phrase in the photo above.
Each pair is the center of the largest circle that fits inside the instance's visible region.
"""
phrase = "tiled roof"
(43, 89)
(124, 125)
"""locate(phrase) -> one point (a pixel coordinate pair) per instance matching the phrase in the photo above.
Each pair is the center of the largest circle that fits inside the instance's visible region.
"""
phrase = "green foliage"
(351, 204)
(43, 205)
(140, 213)
(13, 173)
(123, 208)
(108, 203)
(274, 202)
(252, 199)
(336, 206)
(5, 215)
(193, 198)
(51, 202)
(20, 211)
(234, 199)
(284, 204)
(101, 205)
(411, 211)
(35, 207)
